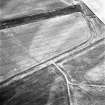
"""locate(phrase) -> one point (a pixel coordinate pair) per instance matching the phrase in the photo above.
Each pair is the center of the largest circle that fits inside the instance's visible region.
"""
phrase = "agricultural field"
(52, 52)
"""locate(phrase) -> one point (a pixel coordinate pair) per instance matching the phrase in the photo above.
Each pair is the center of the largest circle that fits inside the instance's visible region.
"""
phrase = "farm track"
(57, 62)
(57, 59)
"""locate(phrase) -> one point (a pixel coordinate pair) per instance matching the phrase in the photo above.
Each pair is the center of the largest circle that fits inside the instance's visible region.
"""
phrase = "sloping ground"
(76, 77)
(14, 8)
(44, 87)
(98, 7)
